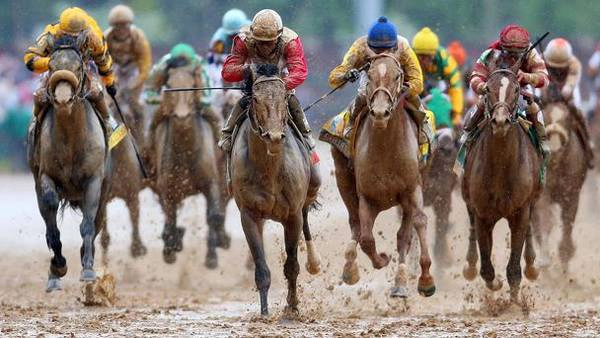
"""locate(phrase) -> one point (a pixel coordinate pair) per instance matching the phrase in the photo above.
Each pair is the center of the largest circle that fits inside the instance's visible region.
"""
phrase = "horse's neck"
(71, 128)
(504, 154)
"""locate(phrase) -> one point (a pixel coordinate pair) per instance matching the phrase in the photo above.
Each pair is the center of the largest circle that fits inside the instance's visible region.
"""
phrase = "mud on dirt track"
(185, 299)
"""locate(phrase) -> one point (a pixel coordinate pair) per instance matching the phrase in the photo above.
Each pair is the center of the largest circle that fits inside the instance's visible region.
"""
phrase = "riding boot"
(236, 113)
(300, 120)
(356, 107)
(536, 117)
(215, 121)
(96, 98)
(472, 120)
(582, 129)
(417, 111)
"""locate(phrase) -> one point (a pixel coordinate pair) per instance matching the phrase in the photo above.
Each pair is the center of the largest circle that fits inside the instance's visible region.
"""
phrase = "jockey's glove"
(482, 88)
(112, 90)
(567, 92)
(352, 75)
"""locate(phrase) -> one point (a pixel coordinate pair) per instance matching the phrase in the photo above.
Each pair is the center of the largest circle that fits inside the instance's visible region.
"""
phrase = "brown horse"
(384, 173)
(566, 173)
(186, 165)
(68, 157)
(501, 180)
(438, 183)
(272, 178)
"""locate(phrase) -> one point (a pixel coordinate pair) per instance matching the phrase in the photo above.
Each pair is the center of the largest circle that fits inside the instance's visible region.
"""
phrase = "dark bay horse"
(272, 178)
(186, 165)
(501, 180)
(68, 156)
(384, 173)
(566, 174)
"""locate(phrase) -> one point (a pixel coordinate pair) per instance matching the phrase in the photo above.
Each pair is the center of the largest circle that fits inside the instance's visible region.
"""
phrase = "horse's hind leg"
(215, 216)
(104, 241)
(470, 270)
(347, 187)
(48, 203)
(137, 248)
(93, 209)
(313, 261)
(291, 267)
(262, 275)
(566, 248)
(519, 225)
(426, 285)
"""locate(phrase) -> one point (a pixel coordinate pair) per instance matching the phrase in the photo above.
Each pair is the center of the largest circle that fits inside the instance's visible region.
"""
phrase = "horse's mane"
(267, 69)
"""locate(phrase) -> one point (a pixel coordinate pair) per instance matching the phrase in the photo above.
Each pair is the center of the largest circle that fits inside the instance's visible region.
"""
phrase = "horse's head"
(269, 107)
(384, 87)
(502, 98)
(557, 125)
(66, 72)
(181, 104)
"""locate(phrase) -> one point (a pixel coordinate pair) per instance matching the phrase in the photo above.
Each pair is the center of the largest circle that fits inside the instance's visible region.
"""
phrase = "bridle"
(79, 92)
(393, 96)
(510, 107)
(255, 125)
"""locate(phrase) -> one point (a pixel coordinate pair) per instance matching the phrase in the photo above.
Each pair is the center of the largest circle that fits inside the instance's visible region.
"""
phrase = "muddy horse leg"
(313, 261)
(172, 234)
(531, 272)
(519, 225)
(485, 240)
(566, 248)
(441, 208)
(347, 187)
(403, 242)
(541, 216)
(291, 268)
(470, 269)
(262, 275)
(426, 285)
(93, 208)
(137, 248)
(48, 203)
(216, 230)
(104, 241)
(367, 215)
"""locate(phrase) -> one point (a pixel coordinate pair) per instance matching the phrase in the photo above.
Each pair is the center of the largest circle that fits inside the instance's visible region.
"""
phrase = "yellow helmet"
(120, 14)
(73, 20)
(425, 42)
(266, 25)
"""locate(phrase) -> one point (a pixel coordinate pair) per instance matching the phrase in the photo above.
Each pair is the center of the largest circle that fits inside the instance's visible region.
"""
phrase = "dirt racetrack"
(185, 299)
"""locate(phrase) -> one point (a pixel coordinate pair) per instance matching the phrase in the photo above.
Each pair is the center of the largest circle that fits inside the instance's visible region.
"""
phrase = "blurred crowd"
(16, 87)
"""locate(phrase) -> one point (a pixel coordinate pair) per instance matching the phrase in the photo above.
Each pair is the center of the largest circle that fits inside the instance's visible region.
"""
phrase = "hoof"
(399, 292)
(58, 271)
(138, 250)
(426, 287)
(169, 256)
(211, 262)
(469, 272)
(291, 312)
(53, 284)
(382, 261)
(350, 275)
(495, 284)
(87, 275)
(313, 267)
(531, 273)
(224, 240)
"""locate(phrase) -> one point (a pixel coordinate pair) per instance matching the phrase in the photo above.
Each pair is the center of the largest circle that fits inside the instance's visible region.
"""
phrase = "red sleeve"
(233, 68)
(295, 63)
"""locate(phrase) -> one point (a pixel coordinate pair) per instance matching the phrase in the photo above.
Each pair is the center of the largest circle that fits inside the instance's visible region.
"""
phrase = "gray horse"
(68, 157)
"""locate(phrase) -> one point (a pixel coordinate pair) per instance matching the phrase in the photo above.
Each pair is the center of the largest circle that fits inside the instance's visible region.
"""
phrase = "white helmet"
(558, 53)
(120, 14)
(266, 25)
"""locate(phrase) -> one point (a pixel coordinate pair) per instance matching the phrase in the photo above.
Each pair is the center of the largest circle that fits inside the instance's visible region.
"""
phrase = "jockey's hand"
(482, 89)
(567, 92)
(523, 78)
(112, 90)
(352, 75)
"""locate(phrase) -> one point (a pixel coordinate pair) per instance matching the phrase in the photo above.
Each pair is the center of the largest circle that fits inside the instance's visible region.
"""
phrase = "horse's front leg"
(93, 208)
(291, 267)
(426, 285)
(262, 276)
(172, 234)
(48, 203)
(519, 227)
(367, 215)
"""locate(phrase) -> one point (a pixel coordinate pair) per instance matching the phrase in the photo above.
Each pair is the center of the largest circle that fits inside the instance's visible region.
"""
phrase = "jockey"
(222, 40)
(458, 52)
(131, 54)
(565, 73)
(508, 50)
(594, 72)
(383, 38)
(72, 23)
(182, 55)
(438, 65)
(266, 40)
